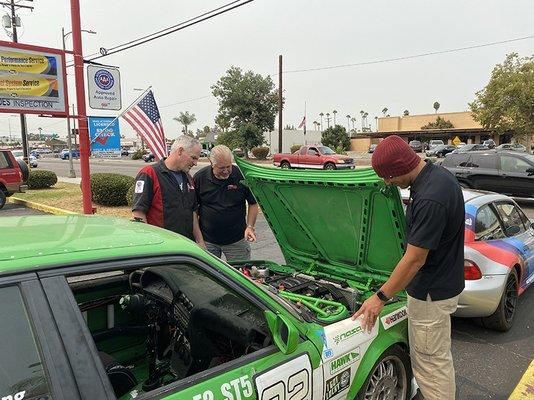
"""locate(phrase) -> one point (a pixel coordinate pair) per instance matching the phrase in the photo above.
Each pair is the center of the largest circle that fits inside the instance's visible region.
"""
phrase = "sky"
(182, 67)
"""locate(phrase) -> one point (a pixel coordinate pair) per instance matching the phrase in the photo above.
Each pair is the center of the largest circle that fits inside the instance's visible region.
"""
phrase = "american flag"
(145, 120)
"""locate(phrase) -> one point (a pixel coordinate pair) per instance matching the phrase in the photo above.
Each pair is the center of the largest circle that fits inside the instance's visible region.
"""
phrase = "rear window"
(455, 160)
(5, 160)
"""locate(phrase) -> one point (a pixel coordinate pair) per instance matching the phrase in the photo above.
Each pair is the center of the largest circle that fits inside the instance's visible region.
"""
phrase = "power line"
(186, 101)
(387, 60)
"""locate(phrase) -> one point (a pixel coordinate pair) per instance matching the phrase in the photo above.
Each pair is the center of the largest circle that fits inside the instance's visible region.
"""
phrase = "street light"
(72, 173)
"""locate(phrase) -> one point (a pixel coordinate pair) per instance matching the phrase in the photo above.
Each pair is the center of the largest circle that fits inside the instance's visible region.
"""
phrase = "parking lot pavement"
(12, 210)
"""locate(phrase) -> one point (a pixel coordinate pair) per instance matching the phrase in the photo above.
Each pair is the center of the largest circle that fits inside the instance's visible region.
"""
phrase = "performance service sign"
(105, 137)
(104, 85)
(32, 80)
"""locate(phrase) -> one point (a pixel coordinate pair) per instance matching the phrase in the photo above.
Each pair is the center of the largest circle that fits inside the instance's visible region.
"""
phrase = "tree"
(289, 127)
(223, 122)
(436, 106)
(439, 124)
(334, 112)
(321, 115)
(186, 120)
(250, 102)
(336, 138)
(506, 103)
(406, 113)
(384, 111)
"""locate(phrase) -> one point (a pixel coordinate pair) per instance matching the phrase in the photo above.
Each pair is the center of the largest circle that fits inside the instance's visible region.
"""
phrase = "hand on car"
(369, 312)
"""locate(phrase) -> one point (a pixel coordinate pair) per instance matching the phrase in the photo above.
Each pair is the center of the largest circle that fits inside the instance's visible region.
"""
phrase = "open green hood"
(343, 223)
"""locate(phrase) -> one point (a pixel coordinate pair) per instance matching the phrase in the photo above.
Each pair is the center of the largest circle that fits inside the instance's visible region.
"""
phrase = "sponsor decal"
(394, 317)
(139, 186)
(328, 353)
(337, 384)
(347, 359)
(16, 396)
(468, 221)
(347, 335)
(232, 187)
(104, 80)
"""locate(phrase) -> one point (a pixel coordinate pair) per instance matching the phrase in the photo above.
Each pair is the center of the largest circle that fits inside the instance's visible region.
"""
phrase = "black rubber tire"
(329, 166)
(3, 199)
(25, 170)
(285, 165)
(503, 317)
(393, 355)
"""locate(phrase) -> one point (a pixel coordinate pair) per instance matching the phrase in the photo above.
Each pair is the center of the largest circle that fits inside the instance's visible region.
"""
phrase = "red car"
(13, 174)
(317, 157)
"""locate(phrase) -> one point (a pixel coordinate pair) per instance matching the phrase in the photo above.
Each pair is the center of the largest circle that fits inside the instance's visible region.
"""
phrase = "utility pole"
(280, 103)
(72, 174)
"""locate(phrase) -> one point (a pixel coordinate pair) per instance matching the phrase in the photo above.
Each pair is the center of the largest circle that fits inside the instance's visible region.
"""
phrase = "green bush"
(41, 179)
(129, 194)
(110, 189)
(260, 152)
(139, 154)
(294, 148)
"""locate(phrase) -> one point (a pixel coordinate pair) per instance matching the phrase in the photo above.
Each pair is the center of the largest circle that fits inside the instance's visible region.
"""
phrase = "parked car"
(434, 143)
(205, 153)
(460, 145)
(35, 153)
(13, 176)
(489, 143)
(132, 310)
(470, 147)
(19, 155)
(239, 152)
(64, 155)
(315, 157)
(125, 152)
(504, 172)
(372, 148)
(149, 157)
(498, 248)
(441, 150)
(416, 146)
(511, 146)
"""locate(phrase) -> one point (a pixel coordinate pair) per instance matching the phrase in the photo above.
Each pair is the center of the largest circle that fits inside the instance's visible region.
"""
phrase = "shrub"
(260, 152)
(41, 179)
(110, 189)
(129, 194)
(139, 154)
(294, 148)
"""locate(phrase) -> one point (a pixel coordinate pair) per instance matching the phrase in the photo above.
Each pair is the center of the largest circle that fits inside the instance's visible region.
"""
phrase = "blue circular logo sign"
(104, 80)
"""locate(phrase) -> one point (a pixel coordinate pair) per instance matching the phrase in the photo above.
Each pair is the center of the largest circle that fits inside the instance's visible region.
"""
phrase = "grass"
(68, 196)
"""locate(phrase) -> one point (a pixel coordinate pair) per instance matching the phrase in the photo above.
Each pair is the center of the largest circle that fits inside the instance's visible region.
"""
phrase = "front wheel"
(503, 317)
(390, 378)
(285, 165)
(329, 166)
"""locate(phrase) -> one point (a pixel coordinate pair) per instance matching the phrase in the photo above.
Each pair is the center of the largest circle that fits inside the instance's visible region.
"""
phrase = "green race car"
(102, 308)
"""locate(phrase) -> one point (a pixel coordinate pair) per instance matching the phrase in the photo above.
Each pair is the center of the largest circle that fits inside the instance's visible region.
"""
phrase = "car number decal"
(16, 396)
(237, 389)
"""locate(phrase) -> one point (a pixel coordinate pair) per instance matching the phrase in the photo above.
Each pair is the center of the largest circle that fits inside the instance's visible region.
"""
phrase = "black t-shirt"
(435, 221)
(221, 206)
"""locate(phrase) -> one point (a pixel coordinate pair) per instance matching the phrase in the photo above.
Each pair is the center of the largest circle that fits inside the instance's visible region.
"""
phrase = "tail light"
(471, 271)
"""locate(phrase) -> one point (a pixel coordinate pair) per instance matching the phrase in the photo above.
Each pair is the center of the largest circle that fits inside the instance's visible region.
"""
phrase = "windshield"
(325, 150)
(529, 157)
(436, 142)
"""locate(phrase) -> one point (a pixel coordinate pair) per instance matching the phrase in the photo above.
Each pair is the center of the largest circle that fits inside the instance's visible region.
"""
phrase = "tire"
(390, 377)
(503, 317)
(25, 170)
(330, 166)
(3, 198)
(285, 165)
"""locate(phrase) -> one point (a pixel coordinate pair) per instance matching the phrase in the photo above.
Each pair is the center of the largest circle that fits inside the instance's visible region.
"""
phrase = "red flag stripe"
(141, 130)
(158, 137)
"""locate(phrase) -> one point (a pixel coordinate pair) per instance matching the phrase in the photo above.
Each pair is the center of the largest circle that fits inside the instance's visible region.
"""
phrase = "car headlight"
(340, 161)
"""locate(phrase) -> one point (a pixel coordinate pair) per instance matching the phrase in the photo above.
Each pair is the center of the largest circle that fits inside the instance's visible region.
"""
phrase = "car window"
(21, 368)
(326, 150)
(455, 160)
(312, 151)
(482, 161)
(4, 160)
(510, 218)
(487, 226)
(514, 164)
(303, 151)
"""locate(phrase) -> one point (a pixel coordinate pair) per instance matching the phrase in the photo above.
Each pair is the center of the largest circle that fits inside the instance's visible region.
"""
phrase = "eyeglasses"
(225, 168)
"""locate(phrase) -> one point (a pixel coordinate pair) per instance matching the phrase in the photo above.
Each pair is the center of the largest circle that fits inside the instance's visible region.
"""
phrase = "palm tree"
(384, 111)
(436, 106)
(334, 112)
(348, 122)
(365, 114)
(316, 125)
(376, 123)
(327, 120)
(406, 113)
(363, 124)
(321, 115)
(186, 120)
(353, 120)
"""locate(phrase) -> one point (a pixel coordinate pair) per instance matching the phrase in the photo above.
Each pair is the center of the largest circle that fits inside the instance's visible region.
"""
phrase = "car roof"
(69, 239)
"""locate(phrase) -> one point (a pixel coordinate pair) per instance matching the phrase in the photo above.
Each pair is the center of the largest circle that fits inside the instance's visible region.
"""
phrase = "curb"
(525, 388)
(41, 207)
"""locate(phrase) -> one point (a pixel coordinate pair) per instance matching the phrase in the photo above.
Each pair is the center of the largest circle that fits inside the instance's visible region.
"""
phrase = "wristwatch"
(251, 227)
(380, 294)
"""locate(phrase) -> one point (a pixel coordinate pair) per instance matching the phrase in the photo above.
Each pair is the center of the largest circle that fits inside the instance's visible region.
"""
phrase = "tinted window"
(21, 369)
(326, 150)
(303, 150)
(482, 161)
(514, 164)
(455, 160)
(312, 151)
(510, 217)
(4, 160)
(487, 225)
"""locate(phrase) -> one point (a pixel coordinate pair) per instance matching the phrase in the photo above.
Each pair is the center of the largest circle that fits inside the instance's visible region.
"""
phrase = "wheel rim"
(329, 166)
(510, 299)
(388, 381)
(284, 165)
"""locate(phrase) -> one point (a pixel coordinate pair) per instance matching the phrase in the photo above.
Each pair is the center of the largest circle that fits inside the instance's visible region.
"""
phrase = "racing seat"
(121, 378)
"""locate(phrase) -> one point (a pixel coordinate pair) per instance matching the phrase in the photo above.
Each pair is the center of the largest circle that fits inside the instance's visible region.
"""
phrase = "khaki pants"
(236, 251)
(429, 332)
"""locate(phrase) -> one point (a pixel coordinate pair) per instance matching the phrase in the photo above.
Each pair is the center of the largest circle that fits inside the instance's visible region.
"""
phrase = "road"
(488, 364)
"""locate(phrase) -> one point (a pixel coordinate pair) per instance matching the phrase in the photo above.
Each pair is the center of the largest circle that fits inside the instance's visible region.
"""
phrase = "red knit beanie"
(393, 157)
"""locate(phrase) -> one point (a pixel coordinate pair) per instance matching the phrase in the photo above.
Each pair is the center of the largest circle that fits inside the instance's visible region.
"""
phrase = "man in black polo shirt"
(164, 193)
(432, 268)
(222, 202)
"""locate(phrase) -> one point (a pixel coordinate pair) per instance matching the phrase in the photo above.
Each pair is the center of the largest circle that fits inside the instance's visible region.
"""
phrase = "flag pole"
(305, 123)
(120, 115)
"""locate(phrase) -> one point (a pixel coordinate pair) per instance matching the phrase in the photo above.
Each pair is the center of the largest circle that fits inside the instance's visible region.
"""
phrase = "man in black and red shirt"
(164, 193)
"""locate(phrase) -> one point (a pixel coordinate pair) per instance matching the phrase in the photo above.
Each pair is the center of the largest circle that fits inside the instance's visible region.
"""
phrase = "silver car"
(19, 155)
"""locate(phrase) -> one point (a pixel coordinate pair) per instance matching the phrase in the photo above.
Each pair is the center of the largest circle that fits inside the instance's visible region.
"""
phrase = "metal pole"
(280, 103)
(80, 100)
(75, 131)
(72, 173)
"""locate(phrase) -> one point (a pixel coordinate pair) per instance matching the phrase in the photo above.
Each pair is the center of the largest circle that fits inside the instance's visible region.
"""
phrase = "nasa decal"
(393, 318)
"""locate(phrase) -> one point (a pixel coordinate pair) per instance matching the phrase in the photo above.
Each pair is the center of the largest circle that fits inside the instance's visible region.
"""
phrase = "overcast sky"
(309, 34)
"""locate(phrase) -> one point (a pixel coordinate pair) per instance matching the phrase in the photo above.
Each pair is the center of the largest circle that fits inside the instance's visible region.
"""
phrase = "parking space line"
(41, 207)
(525, 388)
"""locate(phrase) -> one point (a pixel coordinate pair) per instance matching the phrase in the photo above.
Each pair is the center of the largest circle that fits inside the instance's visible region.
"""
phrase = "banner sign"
(105, 140)
(104, 86)
(32, 80)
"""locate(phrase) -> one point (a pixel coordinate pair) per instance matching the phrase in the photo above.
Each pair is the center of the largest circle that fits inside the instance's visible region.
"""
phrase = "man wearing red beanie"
(432, 268)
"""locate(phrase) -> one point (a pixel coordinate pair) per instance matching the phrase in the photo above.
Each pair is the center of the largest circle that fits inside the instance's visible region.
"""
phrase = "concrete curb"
(41, 207)
(525, 388)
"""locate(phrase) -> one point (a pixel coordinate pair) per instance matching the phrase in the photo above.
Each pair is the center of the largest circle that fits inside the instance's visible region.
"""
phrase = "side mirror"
(318, 155)
(512, 230)
(285, 335)
(530, 171)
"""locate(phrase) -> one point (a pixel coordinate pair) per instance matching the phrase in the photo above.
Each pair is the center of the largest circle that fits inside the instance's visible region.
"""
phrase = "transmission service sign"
(104, 85)
(32, 80)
